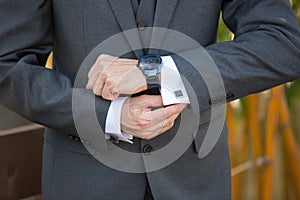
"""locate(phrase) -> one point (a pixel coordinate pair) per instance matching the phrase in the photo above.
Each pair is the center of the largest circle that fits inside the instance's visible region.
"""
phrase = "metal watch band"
(153, 82)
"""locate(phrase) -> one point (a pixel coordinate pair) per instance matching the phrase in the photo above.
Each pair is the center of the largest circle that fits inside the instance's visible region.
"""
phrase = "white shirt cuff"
(113, 121)
(172, 88)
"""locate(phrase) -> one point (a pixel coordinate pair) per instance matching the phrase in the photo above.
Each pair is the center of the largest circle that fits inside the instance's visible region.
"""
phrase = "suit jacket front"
(264, 53)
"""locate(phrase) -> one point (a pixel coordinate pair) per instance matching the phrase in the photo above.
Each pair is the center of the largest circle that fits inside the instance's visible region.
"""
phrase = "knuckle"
(90, 74)
(101, 61)
(170, 123)
(132, 115)
(96, 91)
(110, 81)
(88, 86)
(136, 120)
(142, 123)
(104, 95)
(107, 96)
(101, 57)
(103, 74)
(98, 61)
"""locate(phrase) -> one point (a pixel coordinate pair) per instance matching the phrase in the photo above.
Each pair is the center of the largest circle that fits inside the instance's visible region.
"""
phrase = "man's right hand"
(139, 120)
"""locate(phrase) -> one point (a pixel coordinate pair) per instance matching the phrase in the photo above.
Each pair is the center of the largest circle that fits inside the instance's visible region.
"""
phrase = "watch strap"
(153, 81)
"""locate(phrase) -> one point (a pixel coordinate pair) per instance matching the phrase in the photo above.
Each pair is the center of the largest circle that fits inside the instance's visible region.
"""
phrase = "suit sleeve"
(26, 87)
(265, 51)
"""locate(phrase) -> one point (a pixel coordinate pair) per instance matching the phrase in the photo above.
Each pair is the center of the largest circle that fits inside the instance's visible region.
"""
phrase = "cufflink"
(114, 139)
(178, 93)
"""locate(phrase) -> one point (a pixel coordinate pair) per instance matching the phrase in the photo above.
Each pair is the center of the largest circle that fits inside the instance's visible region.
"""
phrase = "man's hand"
(139, 120)
(111, 76)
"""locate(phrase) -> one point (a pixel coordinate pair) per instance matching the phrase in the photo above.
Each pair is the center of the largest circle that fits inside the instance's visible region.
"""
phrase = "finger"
(115, 93)
(164, 113)
(155, 126)
(92, 77)
(109, 93)
(161, 127)
(148, 129)
(98, 69)
(129, 62)
(92, 70)
(109, 90)
(153, 100)
(167, 123)
(98, 86)
(99, 64)
(146, 102)
(95, 76)
(91, 82)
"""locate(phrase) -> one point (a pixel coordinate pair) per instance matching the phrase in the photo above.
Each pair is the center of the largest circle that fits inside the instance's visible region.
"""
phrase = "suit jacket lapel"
(164, 12)
(163, 16)
(125, 16)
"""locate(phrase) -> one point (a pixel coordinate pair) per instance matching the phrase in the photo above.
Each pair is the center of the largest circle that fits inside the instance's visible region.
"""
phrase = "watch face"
(150, 62)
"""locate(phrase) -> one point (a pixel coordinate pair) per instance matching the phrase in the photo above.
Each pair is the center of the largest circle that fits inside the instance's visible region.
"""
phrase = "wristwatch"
(151, 65)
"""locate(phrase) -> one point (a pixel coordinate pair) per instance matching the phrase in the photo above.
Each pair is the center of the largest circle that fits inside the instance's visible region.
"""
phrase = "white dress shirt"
(172, 91)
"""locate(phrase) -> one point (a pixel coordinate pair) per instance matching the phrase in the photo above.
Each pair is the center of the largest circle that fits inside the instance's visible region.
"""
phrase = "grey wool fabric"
(264, 53)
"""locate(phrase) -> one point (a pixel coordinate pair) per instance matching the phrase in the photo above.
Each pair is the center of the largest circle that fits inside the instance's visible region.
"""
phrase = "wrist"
(143, 81)
(124, 116)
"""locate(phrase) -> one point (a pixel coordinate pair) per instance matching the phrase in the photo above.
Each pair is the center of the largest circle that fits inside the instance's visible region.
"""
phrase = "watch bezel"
(144, 65)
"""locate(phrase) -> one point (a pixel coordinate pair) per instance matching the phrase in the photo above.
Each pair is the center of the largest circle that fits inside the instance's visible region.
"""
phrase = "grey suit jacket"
(264, 53)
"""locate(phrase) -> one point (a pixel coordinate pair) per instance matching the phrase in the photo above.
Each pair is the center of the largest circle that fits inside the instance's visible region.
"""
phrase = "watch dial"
(150, 62)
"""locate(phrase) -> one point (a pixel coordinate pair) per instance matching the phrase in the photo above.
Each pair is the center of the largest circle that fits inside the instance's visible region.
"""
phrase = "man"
(264, 53)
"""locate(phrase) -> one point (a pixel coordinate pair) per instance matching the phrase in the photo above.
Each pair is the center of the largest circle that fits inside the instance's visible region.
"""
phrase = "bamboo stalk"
(254, 128)
(243, 152)
(255, 137)
(241, 168)
(20, 129)
(289, 144)
(271, 126)
(231, 125)
(232, 129)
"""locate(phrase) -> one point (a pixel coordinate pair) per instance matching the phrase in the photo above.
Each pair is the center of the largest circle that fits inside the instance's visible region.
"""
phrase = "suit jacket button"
(71, 137)
(141, 26)
(229, 96)
(147, 149)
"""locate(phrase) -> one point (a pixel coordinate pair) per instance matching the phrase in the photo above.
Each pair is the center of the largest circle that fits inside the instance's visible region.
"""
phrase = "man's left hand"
(111, 76)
